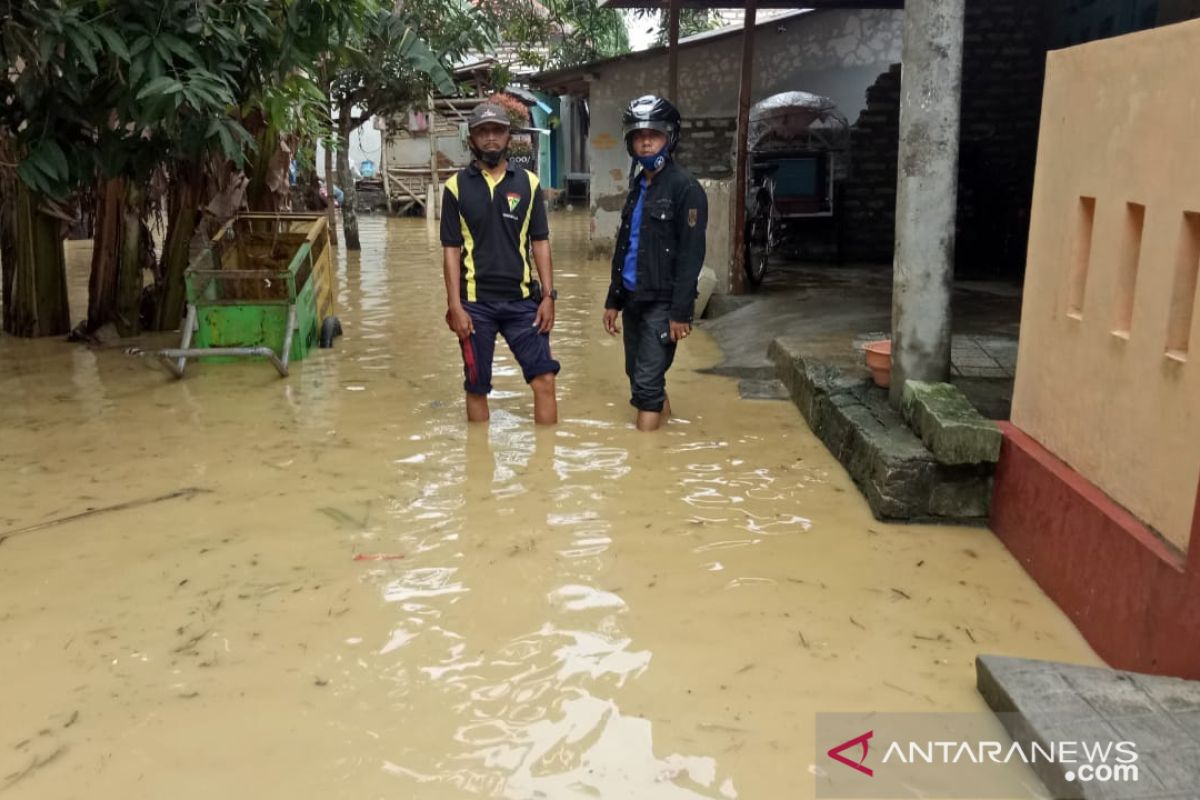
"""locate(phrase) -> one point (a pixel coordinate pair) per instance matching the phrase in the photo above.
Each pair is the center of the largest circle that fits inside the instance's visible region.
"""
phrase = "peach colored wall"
(1108, 373)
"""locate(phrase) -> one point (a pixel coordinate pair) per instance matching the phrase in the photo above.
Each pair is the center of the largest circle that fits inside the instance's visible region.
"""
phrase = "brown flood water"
(581, 612)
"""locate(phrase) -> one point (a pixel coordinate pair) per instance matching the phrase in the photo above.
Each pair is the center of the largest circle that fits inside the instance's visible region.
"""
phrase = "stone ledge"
(900, 478)
(949, 425)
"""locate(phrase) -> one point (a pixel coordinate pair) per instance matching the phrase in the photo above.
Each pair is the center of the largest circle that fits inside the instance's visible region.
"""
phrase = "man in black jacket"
(659, 253)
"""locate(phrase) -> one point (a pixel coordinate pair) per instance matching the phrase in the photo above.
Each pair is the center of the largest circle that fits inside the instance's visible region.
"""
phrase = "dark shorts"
(512, 319)
(649, 352)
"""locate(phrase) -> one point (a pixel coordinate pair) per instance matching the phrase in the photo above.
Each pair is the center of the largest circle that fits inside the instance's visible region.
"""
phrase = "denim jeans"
(649, 352)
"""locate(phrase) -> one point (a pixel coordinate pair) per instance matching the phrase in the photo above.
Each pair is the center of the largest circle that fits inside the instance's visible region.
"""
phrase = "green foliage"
(119, 88)
(116, 88)
(388, 67)
(452, 28)
(691, 22)
(557, 33)
(588, 32)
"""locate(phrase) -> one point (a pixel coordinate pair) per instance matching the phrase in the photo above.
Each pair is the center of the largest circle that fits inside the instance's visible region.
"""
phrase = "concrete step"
(900, 478)
(1047, 701)
(949, 425)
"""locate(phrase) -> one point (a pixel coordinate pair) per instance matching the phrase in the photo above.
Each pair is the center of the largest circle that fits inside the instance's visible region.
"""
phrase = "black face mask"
(491, 158)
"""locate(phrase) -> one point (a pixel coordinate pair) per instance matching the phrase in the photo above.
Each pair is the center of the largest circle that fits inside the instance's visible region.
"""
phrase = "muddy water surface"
(364, 598)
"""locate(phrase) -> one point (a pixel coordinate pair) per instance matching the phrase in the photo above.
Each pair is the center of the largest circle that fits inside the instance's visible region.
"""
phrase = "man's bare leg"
(649, 420)
(477, 408)
(545, 403)
(653, 420)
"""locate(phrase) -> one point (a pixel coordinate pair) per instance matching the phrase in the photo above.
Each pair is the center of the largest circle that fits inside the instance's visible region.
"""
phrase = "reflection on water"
(370, 599)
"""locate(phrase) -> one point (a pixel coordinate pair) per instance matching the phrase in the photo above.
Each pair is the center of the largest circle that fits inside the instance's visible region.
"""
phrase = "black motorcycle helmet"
(651, 112)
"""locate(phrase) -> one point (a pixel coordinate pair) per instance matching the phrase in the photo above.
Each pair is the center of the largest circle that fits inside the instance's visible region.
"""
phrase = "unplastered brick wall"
(868, 197)
(1004, 66)
(1003, 69)
(706, 147)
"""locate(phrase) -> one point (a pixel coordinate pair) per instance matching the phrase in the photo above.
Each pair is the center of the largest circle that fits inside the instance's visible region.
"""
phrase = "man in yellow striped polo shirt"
(494, 227)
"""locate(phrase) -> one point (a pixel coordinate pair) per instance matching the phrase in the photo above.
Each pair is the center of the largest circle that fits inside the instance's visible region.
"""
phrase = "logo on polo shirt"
(514, 200)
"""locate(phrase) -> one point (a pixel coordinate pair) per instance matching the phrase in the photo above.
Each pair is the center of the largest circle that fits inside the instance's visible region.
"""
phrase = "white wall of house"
(838, 54)
(414, 151)
(365, 144)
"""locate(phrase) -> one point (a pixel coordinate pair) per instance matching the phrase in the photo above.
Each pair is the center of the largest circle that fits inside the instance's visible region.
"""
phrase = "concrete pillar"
(718, 252)
(926, 191)
(566, 136)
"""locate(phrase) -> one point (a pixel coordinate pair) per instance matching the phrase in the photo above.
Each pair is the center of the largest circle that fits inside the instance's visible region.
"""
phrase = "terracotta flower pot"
(879, 361)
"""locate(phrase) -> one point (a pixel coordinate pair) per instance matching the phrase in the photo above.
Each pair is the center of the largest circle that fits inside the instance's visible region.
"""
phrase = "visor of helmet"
(665, 128)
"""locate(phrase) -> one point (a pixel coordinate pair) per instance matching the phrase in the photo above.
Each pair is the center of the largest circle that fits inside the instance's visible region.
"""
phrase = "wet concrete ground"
(363, 597)
(836, 310)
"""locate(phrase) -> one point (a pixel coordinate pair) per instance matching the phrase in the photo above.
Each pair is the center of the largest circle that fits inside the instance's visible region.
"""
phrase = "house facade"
(839, 54)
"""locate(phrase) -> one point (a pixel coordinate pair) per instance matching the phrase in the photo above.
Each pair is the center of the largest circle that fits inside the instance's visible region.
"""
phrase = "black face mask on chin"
(491, 158)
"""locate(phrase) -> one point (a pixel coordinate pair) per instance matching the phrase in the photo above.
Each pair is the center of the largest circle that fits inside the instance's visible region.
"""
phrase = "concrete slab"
(751, 389)
(1043, 701)
(832, 310)
(949, 425)
(721, 304)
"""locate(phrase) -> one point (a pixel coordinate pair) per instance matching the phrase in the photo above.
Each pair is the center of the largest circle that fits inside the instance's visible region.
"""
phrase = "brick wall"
(868, 196)
(706, 147)
(1003, 71)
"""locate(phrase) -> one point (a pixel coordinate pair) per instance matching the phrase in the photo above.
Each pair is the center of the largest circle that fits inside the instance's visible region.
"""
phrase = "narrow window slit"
(1081, 256)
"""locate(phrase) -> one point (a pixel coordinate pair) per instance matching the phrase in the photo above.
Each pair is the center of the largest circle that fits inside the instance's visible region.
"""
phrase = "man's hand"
(460, 321)
(544, 320)
(610, 321)
(680, 330)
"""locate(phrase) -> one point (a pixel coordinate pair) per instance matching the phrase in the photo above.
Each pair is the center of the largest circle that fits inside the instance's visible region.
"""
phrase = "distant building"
(839, 54)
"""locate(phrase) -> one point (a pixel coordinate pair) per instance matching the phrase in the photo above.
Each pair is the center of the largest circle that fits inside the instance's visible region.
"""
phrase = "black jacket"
(670, 244)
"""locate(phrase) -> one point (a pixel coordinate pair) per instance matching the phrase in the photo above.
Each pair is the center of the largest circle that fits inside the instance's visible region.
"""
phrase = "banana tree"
(43, 80)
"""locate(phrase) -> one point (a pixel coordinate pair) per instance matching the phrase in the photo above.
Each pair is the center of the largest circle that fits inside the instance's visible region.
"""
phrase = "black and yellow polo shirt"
(494, 224)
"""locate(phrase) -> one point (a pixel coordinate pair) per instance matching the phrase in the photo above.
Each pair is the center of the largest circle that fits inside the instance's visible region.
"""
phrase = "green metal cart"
(262, 288)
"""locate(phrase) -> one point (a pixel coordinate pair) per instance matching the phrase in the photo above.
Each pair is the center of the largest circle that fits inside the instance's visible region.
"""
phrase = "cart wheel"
(330, 328)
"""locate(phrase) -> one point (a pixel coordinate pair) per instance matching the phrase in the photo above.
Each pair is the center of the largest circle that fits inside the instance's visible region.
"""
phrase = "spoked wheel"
(758, 247)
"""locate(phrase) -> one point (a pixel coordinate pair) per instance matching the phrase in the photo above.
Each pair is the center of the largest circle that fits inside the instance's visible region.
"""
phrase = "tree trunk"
(129, 273)
(38, 288)
(186, 193)
(331, 215)
(106, 250)
(261, 192)
(346, 182)
(119, 254)
(8, 245)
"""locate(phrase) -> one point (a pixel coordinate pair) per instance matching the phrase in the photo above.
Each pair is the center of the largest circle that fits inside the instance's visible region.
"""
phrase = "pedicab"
(797, 146)
(262, 288)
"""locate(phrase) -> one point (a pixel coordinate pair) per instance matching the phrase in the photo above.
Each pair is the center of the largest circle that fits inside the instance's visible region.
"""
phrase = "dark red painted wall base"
(1135, 598)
